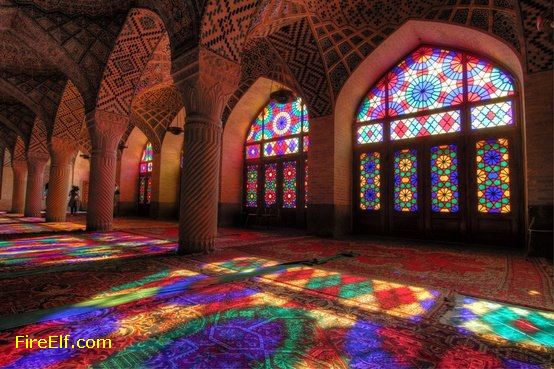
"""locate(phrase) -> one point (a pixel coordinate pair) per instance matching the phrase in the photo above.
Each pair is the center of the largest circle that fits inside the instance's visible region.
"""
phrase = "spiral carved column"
(19, 186)
(35, 183)
(105, 130)
(199, 185)
(61, 153)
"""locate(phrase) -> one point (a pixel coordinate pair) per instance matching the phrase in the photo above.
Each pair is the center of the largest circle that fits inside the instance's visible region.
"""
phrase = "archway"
(406, 39)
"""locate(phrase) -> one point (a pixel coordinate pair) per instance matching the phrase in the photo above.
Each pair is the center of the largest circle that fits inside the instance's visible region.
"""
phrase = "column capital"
(37, 158)
(105, 129)
(62, 150)
(206, 81)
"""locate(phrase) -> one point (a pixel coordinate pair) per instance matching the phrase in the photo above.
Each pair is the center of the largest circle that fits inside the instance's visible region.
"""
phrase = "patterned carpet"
(506, 276)
(13, 225)
(265, 300)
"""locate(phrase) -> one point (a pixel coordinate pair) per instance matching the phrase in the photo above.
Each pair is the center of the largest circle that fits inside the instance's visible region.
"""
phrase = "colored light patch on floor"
(399, 300)
(241, 326)
(499, 322)
(67, 249)
(22, 228)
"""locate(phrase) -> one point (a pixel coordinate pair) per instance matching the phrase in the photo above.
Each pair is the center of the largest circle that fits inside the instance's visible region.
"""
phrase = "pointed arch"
(135, 44)
(70, 116)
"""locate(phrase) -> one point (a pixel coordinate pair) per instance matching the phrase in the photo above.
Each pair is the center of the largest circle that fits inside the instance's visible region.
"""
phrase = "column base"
(188, 247)
(32, 214)
(100, 227)
(55, 218)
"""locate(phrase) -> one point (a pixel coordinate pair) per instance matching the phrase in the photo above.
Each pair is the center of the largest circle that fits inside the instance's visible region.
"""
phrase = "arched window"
(275, 158)
(145, 178)
(436, 143)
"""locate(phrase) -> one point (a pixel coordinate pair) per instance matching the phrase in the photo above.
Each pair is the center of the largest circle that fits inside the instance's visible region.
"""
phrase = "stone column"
(35, 184)
(19, 168)
(105, 130)
(205, 81)
(62, 153)
(199, 185)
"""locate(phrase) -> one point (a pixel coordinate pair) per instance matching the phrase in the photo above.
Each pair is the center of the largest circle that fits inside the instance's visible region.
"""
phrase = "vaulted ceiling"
(310, 45)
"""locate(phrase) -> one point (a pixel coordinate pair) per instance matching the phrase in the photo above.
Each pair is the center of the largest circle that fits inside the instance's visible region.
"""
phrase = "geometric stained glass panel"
(370, 181)
(370, 133)
(492, 115)
(373, 105)
(289, 184)
(444, 179)
(270, 185)
(281, 147)
(405, 180)
(493, 176)
(252, 186)
(427, 125)
(429, 78)
(252, 151)
(485, 81)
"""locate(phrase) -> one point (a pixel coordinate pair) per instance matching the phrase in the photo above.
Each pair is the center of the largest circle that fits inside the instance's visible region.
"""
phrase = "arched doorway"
(276, 162)
(437, 150)
(145, 180)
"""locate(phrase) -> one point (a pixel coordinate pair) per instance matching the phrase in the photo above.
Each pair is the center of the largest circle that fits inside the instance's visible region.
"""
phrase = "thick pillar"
(62, 153)
(105, 130)
(19, 186)
(35, 184)
(205, 86)
(199, 185)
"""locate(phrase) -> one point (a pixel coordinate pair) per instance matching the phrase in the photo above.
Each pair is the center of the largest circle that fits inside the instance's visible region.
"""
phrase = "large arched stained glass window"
(275, 157)
(436, 135)
(145, 176)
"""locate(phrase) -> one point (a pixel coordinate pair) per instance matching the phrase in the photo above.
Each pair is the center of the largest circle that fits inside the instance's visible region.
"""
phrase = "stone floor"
(270, 299)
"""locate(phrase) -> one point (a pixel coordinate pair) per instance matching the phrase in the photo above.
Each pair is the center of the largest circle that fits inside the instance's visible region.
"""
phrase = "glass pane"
(493, 176)
(444, 179)
(142, 189)
(148, 153)
(492, 115)
(405, 180)
(306, 144)
(289, 184)
(305, 116)
(270, 186)
(252, 151)
(281, 147)
(252, 186)
(373, 105)
(369, 134)
(149, 190)
(370, 181)
(149, 167)
(485, 81)
(427, 125)
(143, 167)
(430, 78)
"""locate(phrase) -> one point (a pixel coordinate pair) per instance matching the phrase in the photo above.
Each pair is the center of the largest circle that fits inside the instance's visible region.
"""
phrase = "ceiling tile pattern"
(71, 114)
(138, 39)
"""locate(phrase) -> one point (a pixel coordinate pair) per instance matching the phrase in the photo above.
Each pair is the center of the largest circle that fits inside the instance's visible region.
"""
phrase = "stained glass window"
(444, 179)
(425, 125)
(146, 166)
(405, 180)
(270, 185)
(370, 181)
(492, 115)
(278, 130)
(370, 133)
(305, 183)
(493, 176)
(146, 160)
(289, 184)
(252, 186)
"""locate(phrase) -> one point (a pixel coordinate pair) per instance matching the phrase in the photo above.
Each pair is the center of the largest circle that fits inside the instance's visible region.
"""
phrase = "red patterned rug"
(493, 274)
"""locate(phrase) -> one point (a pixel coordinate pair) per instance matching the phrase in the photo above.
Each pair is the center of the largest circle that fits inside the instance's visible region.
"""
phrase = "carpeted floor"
(272, 300)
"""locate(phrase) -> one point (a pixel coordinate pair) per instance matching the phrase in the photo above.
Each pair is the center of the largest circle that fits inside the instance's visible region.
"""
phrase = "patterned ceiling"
(117, 54)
